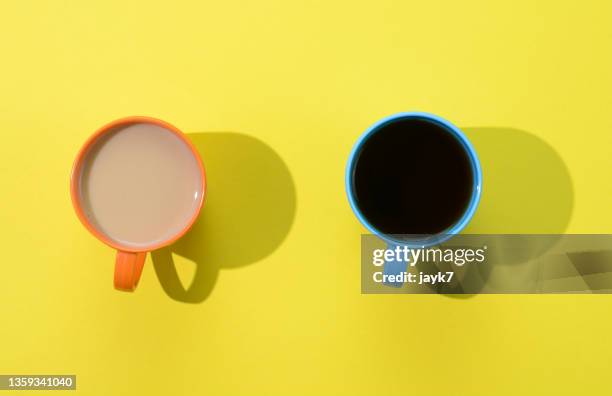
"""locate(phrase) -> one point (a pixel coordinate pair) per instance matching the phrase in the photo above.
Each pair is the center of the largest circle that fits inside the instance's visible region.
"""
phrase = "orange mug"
(137, 184)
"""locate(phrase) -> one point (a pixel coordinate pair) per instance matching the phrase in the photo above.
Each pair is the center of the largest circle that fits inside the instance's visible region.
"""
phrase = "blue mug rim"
(476, 185)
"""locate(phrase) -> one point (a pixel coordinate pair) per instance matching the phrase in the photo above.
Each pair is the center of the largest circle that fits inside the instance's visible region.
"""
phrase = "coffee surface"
(140, 185)
(412, 176)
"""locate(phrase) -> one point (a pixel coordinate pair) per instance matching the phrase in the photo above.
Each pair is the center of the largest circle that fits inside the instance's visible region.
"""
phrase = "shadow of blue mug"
(421, 148)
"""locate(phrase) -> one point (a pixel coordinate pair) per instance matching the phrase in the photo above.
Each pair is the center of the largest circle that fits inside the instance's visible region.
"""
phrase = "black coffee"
(412, 176)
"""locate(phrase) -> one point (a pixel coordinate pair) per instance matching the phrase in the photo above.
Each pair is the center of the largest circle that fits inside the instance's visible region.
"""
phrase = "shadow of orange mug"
(137, 184)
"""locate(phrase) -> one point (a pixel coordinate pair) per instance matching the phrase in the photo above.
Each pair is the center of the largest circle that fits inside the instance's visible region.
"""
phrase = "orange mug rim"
(75, 177)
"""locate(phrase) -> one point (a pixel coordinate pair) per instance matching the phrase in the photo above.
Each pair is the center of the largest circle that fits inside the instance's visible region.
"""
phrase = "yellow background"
(305, 79)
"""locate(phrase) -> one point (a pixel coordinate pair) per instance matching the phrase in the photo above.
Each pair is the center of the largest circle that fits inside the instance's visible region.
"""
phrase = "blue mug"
(416, 241)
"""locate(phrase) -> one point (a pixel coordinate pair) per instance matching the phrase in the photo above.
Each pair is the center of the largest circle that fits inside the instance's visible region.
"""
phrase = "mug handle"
(128, 268)
(393, 267)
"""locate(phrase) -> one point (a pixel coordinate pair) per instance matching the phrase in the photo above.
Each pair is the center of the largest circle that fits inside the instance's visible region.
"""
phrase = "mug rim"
(75, 176)
(467, 215)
